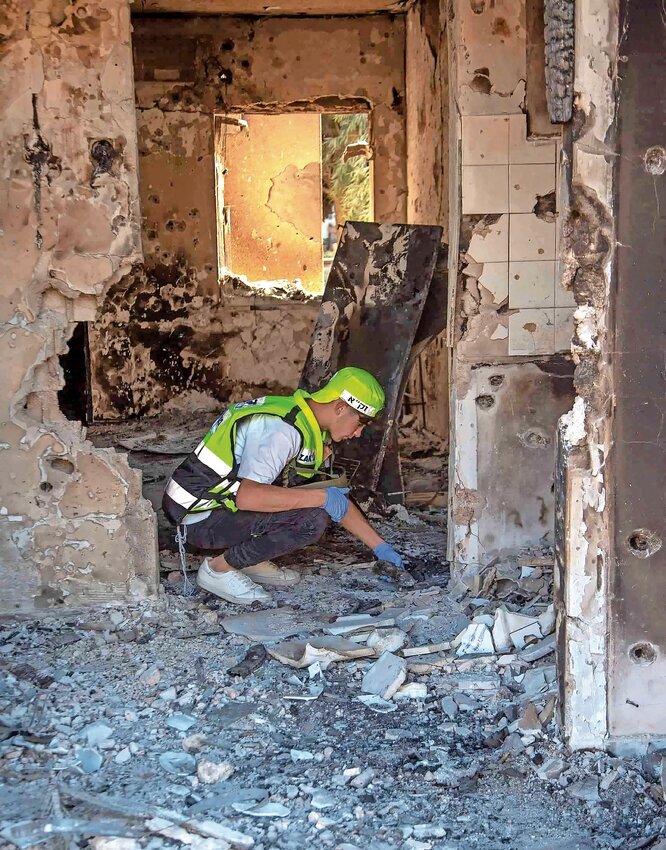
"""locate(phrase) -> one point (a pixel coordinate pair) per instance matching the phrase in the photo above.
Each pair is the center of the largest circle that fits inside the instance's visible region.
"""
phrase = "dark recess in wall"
(538, 119)
(74, 398)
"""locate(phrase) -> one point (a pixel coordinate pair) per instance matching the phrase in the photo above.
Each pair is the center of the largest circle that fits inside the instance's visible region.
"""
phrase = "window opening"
(285, 185)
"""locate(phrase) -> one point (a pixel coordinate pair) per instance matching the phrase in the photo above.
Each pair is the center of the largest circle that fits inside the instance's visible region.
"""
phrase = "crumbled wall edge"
(77, 529)
(586, 432)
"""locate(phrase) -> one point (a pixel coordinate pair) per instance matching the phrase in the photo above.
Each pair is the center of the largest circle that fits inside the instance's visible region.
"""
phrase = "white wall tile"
(495, 278)
(485, 189)
(532, 284)
(492, 245)
(502, 330)
(564, 328)
(526, 183)
(531, 238)
(532, 331)
(523, 151)
(485, 139)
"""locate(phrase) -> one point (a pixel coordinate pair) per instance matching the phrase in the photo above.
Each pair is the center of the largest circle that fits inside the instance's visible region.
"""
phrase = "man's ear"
(340, 407)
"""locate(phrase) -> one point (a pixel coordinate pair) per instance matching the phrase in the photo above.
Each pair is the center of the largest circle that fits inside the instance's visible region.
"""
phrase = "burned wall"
(75, 528)
(195, 334)
(512, 314)
(427, 118)
(637, 623)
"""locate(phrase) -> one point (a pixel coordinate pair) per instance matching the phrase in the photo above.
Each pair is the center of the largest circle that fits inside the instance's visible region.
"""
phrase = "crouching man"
(224, 493)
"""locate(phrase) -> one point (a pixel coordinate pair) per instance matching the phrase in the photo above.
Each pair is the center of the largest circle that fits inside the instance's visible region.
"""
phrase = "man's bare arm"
(355, 523)
(268, 499)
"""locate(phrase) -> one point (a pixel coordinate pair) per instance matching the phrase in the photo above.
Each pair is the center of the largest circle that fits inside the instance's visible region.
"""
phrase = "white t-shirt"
(264, 446)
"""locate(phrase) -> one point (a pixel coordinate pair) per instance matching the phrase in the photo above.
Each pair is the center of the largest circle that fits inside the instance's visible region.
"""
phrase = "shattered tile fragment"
(385, 676)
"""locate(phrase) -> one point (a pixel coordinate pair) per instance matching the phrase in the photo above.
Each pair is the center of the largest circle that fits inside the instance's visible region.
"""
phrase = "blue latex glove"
(337, 503)
(387, 553)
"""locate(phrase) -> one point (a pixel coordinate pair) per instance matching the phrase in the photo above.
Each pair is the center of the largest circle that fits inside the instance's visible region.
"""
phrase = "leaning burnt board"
(369, 314)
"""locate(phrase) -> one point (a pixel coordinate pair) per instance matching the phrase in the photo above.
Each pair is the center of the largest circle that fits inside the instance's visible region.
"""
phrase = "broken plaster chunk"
(363, 622)
(449, 707)
(271, 624)
(322, 800)
(474, 639)
(180, 764)
(377, 704)
(168, 695)
(323, 650)
(123, 756)
(535, 651)
(263, 810)
(194, 743)
(587, 789)
(547, 620)
(96, 733)
(104, 843)
(552, 769)
(364, 778)
(512, 630)
(429, 649)
(301, 755)
(385, 676)
(209, 772)
(529, 722)
(89, 760)
(181, 722)
(386, 640)
(413, 690)
(151, 676)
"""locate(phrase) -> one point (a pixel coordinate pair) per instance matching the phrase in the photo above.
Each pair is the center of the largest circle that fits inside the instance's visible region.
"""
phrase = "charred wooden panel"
(369, 315)
(638, 620)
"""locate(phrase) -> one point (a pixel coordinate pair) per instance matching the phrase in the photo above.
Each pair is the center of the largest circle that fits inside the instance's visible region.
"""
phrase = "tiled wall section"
(505, 174)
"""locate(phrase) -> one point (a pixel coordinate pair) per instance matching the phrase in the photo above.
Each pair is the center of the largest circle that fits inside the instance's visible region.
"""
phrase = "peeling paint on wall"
(76, 528)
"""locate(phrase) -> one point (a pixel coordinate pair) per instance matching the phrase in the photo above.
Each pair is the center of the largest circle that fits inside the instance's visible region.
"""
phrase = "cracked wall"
(76, 529)
(512, 314)
(213, 341)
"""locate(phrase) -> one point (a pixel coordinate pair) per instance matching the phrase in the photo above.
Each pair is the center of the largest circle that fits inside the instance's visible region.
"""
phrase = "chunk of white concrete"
(385, 676)
(386, 640)
(474, 639)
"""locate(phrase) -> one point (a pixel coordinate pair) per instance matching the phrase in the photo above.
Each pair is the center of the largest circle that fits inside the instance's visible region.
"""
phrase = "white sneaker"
(231, 585)
(271, 575)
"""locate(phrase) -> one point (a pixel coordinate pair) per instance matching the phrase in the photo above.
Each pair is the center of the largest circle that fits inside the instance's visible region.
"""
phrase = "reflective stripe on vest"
(208, 457)
(212, 470)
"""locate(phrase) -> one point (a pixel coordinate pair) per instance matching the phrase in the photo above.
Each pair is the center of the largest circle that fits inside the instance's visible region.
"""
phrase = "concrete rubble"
(132, 729)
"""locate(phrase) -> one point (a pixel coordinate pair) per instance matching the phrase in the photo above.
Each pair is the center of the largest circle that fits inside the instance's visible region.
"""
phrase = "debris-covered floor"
(153, 727)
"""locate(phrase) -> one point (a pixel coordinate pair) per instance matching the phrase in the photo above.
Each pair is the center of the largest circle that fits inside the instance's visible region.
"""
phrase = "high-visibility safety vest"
(208, 477)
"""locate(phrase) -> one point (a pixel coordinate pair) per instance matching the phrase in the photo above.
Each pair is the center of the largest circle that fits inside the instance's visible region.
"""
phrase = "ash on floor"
(352, 712)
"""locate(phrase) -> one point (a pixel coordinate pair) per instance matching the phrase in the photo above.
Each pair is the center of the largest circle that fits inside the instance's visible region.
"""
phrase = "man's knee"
(315, 524)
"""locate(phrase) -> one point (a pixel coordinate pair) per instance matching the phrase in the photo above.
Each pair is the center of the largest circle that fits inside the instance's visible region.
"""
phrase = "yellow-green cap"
(358, 388)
